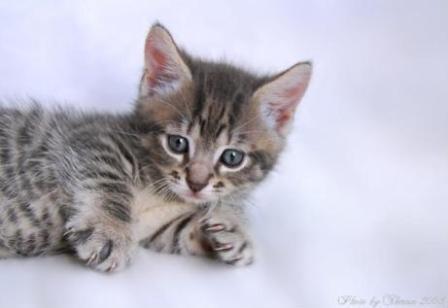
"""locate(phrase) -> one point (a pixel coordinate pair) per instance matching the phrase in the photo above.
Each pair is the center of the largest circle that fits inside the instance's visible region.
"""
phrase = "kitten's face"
(210, 161)
(209, 155)
(220, 129)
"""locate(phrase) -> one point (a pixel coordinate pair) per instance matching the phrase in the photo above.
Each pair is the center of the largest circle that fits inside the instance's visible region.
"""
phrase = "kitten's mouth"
(190, 196)
(193, 197)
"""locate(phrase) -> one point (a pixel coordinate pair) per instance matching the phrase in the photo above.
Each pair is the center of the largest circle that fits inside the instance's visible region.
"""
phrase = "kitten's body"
(54, 164)
(44, 164)
(100, 185)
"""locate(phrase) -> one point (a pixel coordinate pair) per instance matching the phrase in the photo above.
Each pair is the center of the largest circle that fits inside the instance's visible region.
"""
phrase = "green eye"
(232, 158)
(178, 144)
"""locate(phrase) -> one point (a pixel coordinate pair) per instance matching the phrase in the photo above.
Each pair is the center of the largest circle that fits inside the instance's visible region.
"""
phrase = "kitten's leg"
(220, 235)
(100, 231)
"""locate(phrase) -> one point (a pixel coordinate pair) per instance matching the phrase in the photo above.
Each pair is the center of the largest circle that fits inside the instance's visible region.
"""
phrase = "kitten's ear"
(279, 98)
(165, 71)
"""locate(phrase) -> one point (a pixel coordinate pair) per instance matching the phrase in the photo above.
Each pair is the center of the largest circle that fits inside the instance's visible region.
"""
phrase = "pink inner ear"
(160, 68)
(284, 107)
(157, 61)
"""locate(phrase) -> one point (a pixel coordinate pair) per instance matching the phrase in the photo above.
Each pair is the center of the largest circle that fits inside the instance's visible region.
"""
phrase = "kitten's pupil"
(232, 158)
(178, 144)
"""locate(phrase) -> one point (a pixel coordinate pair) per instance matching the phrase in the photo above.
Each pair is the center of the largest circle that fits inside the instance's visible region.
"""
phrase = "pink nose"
(198, 176)
(196, 187)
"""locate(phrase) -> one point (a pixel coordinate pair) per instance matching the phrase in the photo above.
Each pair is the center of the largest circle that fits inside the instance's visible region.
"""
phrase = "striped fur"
(100, 185)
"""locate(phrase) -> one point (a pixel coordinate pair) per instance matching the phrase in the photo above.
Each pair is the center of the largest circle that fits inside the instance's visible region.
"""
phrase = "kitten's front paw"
(106, 251)
(227, 242)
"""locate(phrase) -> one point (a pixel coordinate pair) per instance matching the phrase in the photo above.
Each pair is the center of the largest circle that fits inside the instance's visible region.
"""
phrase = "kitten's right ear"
(165, 71)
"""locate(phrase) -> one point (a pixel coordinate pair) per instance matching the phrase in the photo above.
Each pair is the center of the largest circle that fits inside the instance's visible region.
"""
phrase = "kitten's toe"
(217, 247)
(112, 267)
(244, 255)
(215, 227)
(106, 255)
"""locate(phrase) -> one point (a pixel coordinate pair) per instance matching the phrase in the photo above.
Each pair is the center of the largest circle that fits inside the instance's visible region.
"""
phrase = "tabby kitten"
(171, 176)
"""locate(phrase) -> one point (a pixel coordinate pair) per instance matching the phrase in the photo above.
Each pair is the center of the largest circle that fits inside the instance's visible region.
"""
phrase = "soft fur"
(100, 185)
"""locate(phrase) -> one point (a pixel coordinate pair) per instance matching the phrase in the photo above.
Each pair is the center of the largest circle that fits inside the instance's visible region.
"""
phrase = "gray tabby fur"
(100, 185)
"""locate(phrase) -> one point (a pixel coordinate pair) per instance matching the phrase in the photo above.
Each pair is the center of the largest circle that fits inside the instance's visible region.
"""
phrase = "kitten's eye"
(178, 144)
(232, 158)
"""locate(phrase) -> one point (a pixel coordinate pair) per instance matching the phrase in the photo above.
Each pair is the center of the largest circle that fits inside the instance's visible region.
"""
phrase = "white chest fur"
(150, 212)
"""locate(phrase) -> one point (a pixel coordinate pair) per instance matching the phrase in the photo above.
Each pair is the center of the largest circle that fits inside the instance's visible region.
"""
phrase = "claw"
(112, 267)
(92, 258)
(223, 247)
(214, 227)
(234, 261)
(68, 231)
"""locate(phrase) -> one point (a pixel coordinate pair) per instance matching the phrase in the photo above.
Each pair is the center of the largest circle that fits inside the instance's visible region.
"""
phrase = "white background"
(358, 205)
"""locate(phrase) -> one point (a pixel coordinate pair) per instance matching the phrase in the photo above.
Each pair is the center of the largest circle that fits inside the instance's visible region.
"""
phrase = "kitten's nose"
(198, 176)
(196, 187)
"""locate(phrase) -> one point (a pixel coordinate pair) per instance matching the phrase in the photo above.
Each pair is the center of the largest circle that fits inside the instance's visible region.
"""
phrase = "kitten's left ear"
(279, 98)
(165, 71)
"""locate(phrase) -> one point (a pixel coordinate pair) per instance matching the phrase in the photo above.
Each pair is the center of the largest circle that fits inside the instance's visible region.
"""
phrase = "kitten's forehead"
(221, 100)
(222, 81)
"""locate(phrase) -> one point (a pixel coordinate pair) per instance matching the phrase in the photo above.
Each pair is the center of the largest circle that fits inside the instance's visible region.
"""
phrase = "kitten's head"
(217, 130)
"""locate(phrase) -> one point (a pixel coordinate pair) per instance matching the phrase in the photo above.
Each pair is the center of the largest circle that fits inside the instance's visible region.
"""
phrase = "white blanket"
(357, 209)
